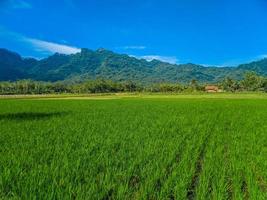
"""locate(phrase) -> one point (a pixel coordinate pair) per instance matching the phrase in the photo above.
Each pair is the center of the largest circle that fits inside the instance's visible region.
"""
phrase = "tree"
(252, 82)
(194, 85)
(229, 84)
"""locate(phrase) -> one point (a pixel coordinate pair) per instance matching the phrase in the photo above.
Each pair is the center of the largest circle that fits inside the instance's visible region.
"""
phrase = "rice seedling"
(133, 148)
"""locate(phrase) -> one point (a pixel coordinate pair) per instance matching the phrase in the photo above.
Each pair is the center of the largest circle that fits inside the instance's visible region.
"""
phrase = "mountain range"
(105, 64)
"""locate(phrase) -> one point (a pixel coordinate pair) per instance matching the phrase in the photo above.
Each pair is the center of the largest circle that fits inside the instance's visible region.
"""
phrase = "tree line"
(250, 82)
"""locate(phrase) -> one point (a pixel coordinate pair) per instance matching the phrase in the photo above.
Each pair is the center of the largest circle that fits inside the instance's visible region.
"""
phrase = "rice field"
(141, 147)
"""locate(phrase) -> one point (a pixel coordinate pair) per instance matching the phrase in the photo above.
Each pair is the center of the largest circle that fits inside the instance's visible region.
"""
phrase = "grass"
(147, 147)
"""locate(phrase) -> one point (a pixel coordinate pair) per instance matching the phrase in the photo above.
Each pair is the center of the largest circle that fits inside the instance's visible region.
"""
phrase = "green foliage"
(92, 86)
(251, 82)
(104, 64)
(229, 84)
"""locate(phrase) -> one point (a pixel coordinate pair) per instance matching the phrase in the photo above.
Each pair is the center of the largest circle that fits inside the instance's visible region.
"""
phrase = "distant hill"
(106, 64)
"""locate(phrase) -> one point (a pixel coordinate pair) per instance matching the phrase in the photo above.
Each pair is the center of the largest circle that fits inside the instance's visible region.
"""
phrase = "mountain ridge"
(105, 64)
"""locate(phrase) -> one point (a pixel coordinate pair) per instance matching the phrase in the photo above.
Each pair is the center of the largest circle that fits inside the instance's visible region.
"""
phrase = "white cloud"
(45, 46)
(168, 59)
(215, 65)
(37, 44)
(263, 56)
(237, 62)
(137, 47)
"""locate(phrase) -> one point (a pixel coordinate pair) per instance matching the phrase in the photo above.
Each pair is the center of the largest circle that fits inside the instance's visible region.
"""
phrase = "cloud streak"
(45, 46)
(39, 45)
(262, 56)
(137, 47)
(237, 62)
(15, 4)
(21, 4)
(168, 59)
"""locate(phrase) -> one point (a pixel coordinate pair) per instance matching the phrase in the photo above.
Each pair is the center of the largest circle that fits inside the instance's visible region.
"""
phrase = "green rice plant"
(147, 147)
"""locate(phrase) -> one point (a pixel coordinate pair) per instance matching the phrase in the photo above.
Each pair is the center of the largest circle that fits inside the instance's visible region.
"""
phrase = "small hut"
(212, 88)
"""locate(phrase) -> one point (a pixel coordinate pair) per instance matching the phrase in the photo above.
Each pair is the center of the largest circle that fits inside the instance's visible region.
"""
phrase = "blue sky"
(210, 32)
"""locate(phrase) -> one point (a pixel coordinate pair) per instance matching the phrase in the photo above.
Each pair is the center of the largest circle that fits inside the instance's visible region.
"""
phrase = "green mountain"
(106, 64)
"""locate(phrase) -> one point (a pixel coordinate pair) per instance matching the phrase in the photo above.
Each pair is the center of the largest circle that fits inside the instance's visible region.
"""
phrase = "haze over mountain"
(102, 63)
